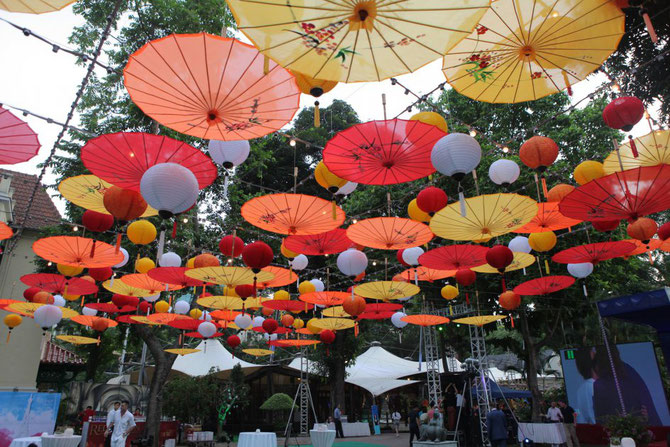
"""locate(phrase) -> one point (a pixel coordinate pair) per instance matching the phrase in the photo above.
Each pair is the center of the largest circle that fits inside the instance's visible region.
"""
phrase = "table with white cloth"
(25, 442)
(353, 429)
(61, 441)
(257, 439)
(322, 438)
(542, 433)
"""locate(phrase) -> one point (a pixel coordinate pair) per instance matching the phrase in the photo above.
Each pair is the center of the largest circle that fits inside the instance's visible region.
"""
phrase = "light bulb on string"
(75, 228)
(616, 88)
(473, 133)
(292, 142)
(505, 149)
(185, 220)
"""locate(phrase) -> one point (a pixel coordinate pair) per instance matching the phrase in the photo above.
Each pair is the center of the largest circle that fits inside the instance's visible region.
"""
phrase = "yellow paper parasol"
(335, 312)
(221, 302)
(479, 320)
(144, 320)
(146, 282)
(228, 276)
(28, 309)
(122, 288)
(521, 260)
(182, 351)
(352, 41)
(334, 324)
(523, 50)
(386, 290)
(653, 149)
(486, 216)
(257, 352)
(87, 191)
(77, 339)
(34, 6)
(255, 303)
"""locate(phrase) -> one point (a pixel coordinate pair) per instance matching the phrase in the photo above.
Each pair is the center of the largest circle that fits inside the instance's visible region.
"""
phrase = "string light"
(292, 142)
(50, 263)
(374, 263)
(473, 133)
(616, 88)
(230, 260)
(185, 220)
(505, 149)
(76, 228)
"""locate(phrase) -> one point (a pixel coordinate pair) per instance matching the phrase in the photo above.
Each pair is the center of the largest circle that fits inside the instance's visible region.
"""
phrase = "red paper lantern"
(287, 320)
(204, 295)
(642, 229)
(101, 274)
(233, 341)
(431, 200)
(124, 204)
(245, 290)
(538, 152)
(125, 300)
(355, 306)
(144, 307)
(509, 300)
(29, 293)
(499, 257)
(664, 231)
(270, 325)
(206, 260)
(465, 277)
(623, 113)
(100, 325)
(400, 259)
(606, 225)
(231, 246)
(257, 255)
(327, 336)
(97, 222)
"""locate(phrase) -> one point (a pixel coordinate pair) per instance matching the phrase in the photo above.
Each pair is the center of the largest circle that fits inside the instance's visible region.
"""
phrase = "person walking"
(124, 424)
(496, 424)
(337, 417)
(570, 423)
(395, 417)
(414, 423)
(554, 414)
(109, 425)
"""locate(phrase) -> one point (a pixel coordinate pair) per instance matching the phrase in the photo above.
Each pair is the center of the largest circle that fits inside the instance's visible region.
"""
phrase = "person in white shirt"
(554, 413)
(124, 424)
(110, 422)
(395, 417)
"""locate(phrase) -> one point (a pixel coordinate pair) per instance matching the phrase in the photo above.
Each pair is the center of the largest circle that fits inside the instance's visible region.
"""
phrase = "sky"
(44, 82)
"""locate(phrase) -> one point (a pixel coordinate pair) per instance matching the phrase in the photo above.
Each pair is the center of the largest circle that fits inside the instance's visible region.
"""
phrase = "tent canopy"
(212, 356)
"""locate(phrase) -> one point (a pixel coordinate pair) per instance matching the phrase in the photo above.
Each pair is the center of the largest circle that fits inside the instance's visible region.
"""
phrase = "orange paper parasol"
(326, 298)
(76, 251)
(282, 277)
(423, 274)
(146, 282)
(389, 233)
(425, 320)
(88, 320)
(210, 87)
(166, 318)
(548, 218)
(642, 247)
(291, 343)
(292, 214)
(224, 314)
(5, 231)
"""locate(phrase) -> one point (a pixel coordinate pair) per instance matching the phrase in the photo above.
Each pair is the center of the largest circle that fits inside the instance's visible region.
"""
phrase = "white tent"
(212, 355)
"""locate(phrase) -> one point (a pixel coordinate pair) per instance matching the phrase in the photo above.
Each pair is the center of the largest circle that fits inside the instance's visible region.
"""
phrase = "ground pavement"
(387, 439)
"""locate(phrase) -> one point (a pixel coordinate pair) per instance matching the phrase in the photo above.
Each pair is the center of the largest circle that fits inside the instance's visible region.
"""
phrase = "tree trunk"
(93, 362)
(337, 395)
(163, 365)
(531, 366)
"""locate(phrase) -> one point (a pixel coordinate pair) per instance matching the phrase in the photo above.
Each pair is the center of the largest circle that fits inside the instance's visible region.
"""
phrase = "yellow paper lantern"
(68, 270)
(12, 320)
(141, 232)
(195, 313)
(69, 297)
(161, 306)
(415, 213)
(143, 265)
(449, 292)
(229, 291)
(298, 323)
(587, 171)
(311, 86)
(306, 287)
(312, 326)
(541, 242)
(286, 252)
(432, 118)
(190, 263)
(327, 179)
(282, 295)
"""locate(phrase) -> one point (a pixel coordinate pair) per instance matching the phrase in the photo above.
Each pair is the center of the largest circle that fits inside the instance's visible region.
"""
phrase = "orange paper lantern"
(124, 204)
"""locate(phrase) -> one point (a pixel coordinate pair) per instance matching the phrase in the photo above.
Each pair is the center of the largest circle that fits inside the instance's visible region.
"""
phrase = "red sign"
(96, 433)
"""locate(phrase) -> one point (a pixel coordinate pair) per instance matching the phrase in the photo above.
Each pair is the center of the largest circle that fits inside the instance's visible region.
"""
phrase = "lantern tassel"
(651, 260)
(467, 298)
(567, 82)
(546, 266)
(633, 147)
(584, 289)
(504, 286)
(161, 246)
(174, 229)
(93, 249)
(524, 271)
(650, 26)
(117, 247)
(9, 334)
(461, 202)
(317, 115)
(511, 319)
(544, 187)
(82, 301)
(356, 329)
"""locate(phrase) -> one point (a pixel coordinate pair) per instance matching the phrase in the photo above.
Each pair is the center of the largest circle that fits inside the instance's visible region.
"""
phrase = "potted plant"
(281, 404)
(629, 426)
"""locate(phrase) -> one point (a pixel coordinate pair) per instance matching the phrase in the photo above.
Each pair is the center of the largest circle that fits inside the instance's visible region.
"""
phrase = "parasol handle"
(650, 26)
(384, 104)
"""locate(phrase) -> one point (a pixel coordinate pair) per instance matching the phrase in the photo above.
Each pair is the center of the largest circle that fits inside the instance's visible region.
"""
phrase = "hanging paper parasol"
(34, 6)
(642, 247)
(389, 233)
(182, 351)
(228, 276)
(326, 298)
(122, 288)
(224, 315)
(185, 324)
(54, 283)
(335, 312)
(486, 216)
(77, 339)
(523, 50)
(135, 319)
(423, 274)
(210, 87)
(292, 343)
(386, 290)
(28, 309)
(593, 253)
(622, 195)
(653, 149)
(122, 158)
(18, 142)
(425, 320)
(520, 261)
(382, 307)
(328, 243)
(4, 302)
(454, 257)
(5, 231)
(197, 334)
(221, 302)
(258, 352)
(333, 324)
(278, 331)
(285, 305)
(166, 318)
(479, 320)
(356, 41)
(381, 315)
(544, 285)
(87, 192)
(292, 214)
(110, 308)
(282, 277)
(548, 218)
(382, 152)
(76, 251)
(88, 320)
(255, 303)
(146, 282)
(173, 275)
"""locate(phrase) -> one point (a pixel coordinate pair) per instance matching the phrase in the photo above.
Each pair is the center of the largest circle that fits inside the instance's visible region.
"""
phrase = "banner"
(26, 414)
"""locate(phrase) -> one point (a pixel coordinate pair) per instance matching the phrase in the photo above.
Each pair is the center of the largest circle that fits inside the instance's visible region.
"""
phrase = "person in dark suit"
(496, 423)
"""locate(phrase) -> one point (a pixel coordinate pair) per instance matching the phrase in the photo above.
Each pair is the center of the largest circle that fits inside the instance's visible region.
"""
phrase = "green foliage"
(278, 402)
(629, 426)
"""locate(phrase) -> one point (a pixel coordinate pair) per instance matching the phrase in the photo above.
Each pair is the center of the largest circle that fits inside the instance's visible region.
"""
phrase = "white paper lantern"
(396, 319)
(59, 301)
(170, 188)
(125, 258)
(205, 316)
(347, 188)
(352, 262)
(169, 259)
(504, 172)
(456, 155)
(581, 270)
(319, 286)
(206, 329)
(243, 321)
(229, 153)
(519, 244)
(411, 255)
(152, 298)
(182, 307)
(270, 337)
(299, 263)
(89, 312)
(258, 321)
(47, 316)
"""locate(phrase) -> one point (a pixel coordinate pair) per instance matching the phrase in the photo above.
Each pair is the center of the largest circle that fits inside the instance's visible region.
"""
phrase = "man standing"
(337, 417)
(413, 425)
(124, 424)
(554, 413)
(570, 423)
(395, 417)
(496, 423)
(110, 423)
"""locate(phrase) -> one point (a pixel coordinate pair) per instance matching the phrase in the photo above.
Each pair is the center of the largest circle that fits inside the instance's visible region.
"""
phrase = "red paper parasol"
(110, 308)
(548, 218)
(389, 233)
(285, 305)
(383, 315)
(88, 320)
(174, 276)
(146, 282)
(279, 330)
(291, 343)
(18, 142)
(122, 158)
(382, 152)
(282, 277)
(382, 307)
(167, 318)
(454, 257)
(653, 244)
(622, 195)
(292, 214)
(593, 253)
(423, 274)
(76, 251)
(327, 298)
(185, 324)
(130, 319)
(5, 231)
(544, 285)
(425, 320)
(211, 87)
(54, 283)
(328, 243)
(196, 334)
